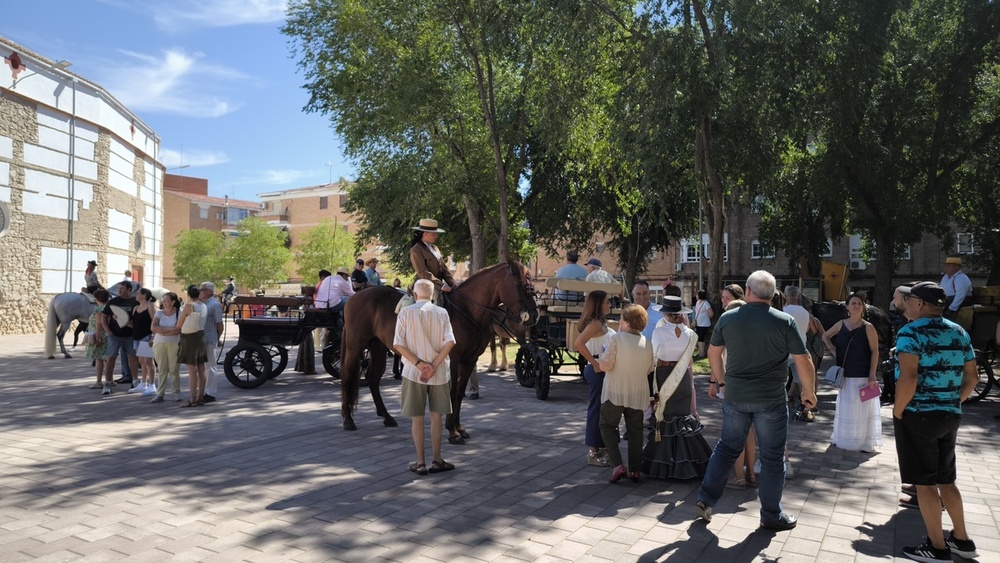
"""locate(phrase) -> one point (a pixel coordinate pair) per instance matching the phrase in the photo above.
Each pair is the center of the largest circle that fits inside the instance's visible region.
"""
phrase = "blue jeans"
(595, 384)
(771, 423)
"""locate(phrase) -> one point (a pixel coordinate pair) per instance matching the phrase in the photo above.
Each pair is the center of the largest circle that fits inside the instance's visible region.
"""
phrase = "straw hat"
(953, 260)
(428, 226)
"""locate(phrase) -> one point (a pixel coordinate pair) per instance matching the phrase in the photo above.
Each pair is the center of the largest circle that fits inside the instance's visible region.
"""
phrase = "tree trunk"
(713, 196)
(883, 270)
(475, 216)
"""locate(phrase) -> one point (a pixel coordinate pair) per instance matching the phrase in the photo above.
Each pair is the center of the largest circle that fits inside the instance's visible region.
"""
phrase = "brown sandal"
(418, 468)
(440, 466)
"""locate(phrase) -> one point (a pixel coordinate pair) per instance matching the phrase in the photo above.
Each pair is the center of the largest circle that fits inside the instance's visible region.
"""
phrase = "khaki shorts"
(415, 396)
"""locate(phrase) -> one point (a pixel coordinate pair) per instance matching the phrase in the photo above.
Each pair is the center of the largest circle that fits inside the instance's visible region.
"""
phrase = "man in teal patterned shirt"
(936, 372)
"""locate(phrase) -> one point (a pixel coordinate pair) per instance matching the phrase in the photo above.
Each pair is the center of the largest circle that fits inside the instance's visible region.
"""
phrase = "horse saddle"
(90, 298)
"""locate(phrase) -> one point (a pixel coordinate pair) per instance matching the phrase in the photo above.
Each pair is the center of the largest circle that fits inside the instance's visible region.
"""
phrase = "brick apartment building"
(186, 206)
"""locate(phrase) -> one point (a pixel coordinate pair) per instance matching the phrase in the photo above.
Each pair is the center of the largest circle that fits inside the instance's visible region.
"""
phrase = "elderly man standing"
(957, 287)
(213, 329)
(935, 373)
(424, 338)
(757, 340)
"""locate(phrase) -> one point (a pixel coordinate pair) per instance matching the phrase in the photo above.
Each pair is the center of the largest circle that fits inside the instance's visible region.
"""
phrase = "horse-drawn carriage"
(549, 343)
(980, 321)
(268, 327)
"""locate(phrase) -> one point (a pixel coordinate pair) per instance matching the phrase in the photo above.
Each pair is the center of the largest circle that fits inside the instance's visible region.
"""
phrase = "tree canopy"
(324, 247)
(197, 254)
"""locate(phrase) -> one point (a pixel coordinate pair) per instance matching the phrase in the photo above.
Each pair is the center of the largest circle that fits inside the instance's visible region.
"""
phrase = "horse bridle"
(501, 319)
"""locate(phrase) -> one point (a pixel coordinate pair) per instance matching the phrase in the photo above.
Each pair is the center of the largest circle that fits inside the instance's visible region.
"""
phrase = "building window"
(203, 213)
(324, 202)
(857, 248)
(965, 243)
(691, 250)
(343, 200)
(829, 249)
(758, 251)
(906, 253)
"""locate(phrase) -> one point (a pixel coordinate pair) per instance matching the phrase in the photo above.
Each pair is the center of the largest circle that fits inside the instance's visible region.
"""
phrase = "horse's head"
(520, 292)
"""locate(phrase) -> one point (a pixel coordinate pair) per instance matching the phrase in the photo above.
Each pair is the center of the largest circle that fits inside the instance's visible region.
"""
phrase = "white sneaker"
(137, 389)
(106, 390)
(150, 390)
(756, 466)
(789, 472)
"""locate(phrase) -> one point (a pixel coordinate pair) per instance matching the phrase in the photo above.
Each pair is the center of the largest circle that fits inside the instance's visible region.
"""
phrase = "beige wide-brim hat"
(343, 270)
(953, 260)
(428, 226)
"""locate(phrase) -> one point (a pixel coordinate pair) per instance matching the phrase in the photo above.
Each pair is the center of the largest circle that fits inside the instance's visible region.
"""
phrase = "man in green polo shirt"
(757, 340)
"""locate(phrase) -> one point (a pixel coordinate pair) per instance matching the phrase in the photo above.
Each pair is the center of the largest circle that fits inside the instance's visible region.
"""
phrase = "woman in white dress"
(857, 425)
(593, 339)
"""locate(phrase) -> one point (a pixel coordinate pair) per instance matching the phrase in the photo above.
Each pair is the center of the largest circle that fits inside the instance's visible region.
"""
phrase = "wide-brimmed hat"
(673, 305)
(91, 262)
(953, 260)
(343, 270)
(428, 226)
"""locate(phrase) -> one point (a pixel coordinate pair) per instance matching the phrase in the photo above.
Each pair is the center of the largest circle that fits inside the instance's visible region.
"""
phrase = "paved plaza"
(270, 475)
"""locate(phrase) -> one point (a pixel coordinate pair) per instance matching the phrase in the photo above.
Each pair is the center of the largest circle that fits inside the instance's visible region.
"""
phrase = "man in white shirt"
(424, 338)
(596, 274)
(794, 308)
(321, 297)
(957, 287)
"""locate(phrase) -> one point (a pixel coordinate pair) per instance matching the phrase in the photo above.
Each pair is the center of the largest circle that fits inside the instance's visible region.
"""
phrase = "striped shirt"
(424, 329)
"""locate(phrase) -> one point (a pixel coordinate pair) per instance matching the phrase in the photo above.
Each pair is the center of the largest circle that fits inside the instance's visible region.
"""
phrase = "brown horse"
(475, 311)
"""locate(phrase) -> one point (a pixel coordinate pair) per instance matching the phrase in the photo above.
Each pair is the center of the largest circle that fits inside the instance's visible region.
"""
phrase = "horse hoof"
(390, 422)
(52, 357)
(463, 434)
(349, 425)
(491, 369)
(67, 356)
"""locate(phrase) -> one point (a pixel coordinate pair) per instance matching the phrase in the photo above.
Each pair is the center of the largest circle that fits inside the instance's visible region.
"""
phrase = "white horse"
(67, 307)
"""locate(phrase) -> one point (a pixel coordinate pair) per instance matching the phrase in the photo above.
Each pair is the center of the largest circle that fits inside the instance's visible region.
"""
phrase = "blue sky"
(213, 78)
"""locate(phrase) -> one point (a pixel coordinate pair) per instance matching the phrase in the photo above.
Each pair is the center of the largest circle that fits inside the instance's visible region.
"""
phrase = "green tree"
(325, 246)
(436, 99)
(197, 256)
(905, 111)
(258, 254)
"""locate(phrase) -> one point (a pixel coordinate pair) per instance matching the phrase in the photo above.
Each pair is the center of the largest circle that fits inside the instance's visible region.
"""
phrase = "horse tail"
(349, 379)
(51, 325)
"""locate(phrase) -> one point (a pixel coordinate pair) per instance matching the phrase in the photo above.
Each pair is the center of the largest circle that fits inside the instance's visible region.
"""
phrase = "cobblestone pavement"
(270, 475)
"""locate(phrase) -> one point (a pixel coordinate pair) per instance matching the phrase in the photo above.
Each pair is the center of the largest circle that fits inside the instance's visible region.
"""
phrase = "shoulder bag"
(835, 375)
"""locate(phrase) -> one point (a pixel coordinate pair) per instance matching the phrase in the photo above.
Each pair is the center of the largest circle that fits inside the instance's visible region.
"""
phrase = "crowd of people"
(760, 363)
(763, 352)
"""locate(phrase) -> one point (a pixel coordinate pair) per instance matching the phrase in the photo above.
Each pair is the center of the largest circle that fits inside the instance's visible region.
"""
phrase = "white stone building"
(80, 180)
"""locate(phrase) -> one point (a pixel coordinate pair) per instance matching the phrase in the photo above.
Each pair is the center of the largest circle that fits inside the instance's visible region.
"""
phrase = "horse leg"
(493, 355)
(503, 353)
(376, 368)
(59, 337)
(81, 327)
(350, 360)
(458, 434)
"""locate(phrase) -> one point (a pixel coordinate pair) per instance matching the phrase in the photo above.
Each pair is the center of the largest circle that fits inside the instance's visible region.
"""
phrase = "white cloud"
(172, 159)
(176, 15)
(278, 177)
(174, 82)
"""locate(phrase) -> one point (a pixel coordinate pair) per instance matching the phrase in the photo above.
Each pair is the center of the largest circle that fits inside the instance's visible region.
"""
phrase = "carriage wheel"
(985, 378)
(524, 366)
(543, 373)
(248, 365)
(331, 360)
(279, 359)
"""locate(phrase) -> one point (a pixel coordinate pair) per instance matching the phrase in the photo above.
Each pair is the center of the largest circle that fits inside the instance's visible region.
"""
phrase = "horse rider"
(427, 260)
(90, 276)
